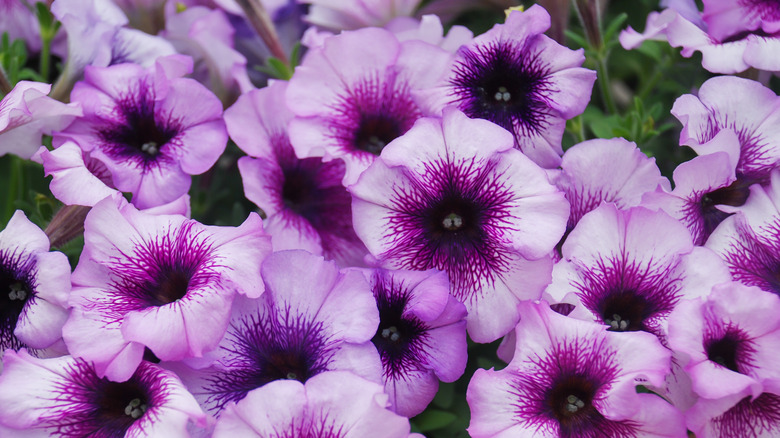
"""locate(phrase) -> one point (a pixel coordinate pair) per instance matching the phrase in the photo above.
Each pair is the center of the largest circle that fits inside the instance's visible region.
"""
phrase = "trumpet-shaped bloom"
(305, 204)
(165, 283)
(152, 129)
(628, 269)
(516, 77)
(65, 397)
(34, 286)
(312, 319)
(729, 344)
(421, 336)
(360, 91)
(334, 404)
(453, 194)
(570, 379)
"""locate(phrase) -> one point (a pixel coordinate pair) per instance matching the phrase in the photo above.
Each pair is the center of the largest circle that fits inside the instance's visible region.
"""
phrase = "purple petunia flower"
(66, 397)
(305, 204)
(311, 319)
(354, 14)
(421, 336)
(726, 19)
(748, 241)
(706, 189)
(746, 107)
(572, 378)
(165, 283)
(525, 82)
(628, 269)
(27, 113)
(334, 404)
(152, 129)
(360, 91)
(606, 170)
(34, 286)
(729, 342)
(453, 194)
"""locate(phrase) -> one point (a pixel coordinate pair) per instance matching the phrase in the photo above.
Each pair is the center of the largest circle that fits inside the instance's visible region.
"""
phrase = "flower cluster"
(318, 218)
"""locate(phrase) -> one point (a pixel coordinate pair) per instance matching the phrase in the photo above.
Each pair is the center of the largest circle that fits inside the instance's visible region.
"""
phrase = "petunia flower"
(605, 170)
(26, 113)
(572, 378)
(311, 319)
(331, 404)
(165, 283)
(65, 397)
(729, 345)
(151, 128)
(453, 194)
(746, 107)
(706, 189)
(360, 91)
(34, 286)
(748, 241)
(628, 269)
(516, 77)
(305, 204)
(421, 336)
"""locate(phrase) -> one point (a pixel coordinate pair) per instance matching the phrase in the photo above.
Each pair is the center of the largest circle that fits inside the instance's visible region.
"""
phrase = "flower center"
(625, 311)
(570, 400)
(375, 131)
(135, 409)
(731, 349)
(502, 95)
(17, 292)
(119, 404)
(452, 222)
(391, 334)
(734, 195)
(171, 286)
(16, 278)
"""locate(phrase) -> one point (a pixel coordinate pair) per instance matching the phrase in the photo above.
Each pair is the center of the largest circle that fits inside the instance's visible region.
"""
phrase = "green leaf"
(615, 26)
(433, 419)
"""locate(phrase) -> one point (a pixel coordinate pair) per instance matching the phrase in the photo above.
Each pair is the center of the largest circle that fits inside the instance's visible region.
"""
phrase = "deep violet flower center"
(17, 283)
(171, 286)
(625, 310)
(375, 131)
(299, 192)
(144, 132)
(729, 347)
(118, 405)
(734, 195)
(571, 400)
(454, 217)
(724, 352)
(502, 83)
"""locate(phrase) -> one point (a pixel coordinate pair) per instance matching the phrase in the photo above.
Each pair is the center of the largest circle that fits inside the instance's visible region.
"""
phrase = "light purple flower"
(516, 77)
(151, 128)
(748, 241)
(421, 336)
(728, 18)
(34, 286)
(26, 113)
(628, 269)
(706, 188)
(429, 29)
(18, 19)
(354, 14)
(606, 170)
(453, 194)
(360, 91)
(305, 204)
(730, 342)
(572, 378)
(330, 405)
(748, 108)
(311, 319)
(66, 397)
(165, 283)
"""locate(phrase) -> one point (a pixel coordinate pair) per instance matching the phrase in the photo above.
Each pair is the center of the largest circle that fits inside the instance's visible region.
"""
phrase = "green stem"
(606, 91)
(657, 75)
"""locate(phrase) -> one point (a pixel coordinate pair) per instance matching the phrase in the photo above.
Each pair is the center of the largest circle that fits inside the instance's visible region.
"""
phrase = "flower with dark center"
(453, 194)
(573, 379)
(311, 319)
(421, 336)
(523, 81)
(360, 91)
(728, 346)
(34, 285)
(335, 404)
(748, 240)
(160, 282)
(746, 108)
(731, 20)
(64, 397)
(628, 269)
(151, 128)
(305, 204)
